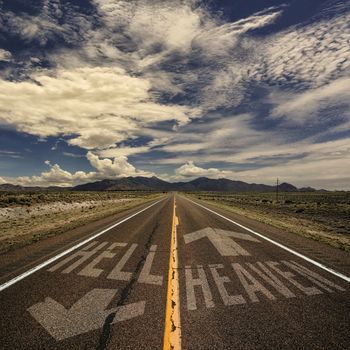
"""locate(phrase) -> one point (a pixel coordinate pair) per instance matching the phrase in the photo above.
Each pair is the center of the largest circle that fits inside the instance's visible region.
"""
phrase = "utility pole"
(277, 190)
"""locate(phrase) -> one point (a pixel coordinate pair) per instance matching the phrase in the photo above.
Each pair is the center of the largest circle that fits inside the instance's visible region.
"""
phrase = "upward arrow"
(221, 240)
(87, 314)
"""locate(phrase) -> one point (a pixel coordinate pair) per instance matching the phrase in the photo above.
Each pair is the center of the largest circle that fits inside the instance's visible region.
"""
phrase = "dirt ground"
(320, 216)
(26, 218)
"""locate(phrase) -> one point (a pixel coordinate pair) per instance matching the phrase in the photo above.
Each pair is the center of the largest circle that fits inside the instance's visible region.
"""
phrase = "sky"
(248, 90)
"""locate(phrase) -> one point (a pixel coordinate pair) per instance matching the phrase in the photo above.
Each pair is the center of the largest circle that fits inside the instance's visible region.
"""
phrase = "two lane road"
(176, 276)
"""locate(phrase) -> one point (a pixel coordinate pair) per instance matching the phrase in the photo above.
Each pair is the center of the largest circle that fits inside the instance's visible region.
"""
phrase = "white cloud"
(306, 56)
(157, 30)
(133, 54)
(302, 163)
(218, 135)
(118, 167)
(56, 176)
(185, 147)
(322, 165)
(306, 106)
(54, 22)
(222, 47)
(5, 56)
(158, 139)
(218, 40)
(170, 25)
(123, 151)
(10, 154)
(325, 165)
(324, 172)
(2, 181)
(72, 155)
(192, 171)
(102, 106)
(309, 54)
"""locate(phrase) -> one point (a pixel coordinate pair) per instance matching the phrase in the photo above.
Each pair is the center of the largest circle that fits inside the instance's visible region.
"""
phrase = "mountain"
(17, 188)
(11, 188)
(200, 184)
(155, 184)
(308, 189)
(126, 183)
(286, 187)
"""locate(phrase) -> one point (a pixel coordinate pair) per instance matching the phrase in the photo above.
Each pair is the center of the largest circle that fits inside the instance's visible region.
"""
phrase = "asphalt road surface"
(173, 274)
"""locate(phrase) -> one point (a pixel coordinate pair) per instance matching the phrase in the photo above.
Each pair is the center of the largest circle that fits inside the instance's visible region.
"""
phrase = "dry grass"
(320, 216)
(29, 217)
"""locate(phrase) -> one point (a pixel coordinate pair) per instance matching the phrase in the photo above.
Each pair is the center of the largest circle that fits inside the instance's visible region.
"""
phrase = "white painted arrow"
(221, 240)
(87, 314)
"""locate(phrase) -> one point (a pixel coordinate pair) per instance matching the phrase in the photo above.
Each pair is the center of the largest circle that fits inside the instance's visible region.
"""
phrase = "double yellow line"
(172, 331)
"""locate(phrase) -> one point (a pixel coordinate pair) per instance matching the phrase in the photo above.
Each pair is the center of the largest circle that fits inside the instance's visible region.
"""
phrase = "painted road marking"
(87, 314)
(172, 329)
(145, 274)
(117, 273)
(304, 257)
(220, 281)
(91, 270)
(251, 284)
(221, 240)
(84, 254)
(270, 280)
(64, 253)
(200, 281)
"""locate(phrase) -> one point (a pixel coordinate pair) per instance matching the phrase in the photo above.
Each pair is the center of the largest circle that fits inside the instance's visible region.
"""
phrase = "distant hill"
(126, 183)
(200, 184)
(308, 189)
(155, 184)
(11, 188)
(17, 188)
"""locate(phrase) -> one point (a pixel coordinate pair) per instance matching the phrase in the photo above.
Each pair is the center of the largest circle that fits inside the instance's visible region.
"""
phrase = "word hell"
(117, 272)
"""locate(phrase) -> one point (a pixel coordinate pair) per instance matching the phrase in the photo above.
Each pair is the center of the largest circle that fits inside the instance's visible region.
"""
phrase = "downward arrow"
(87, 314)
(221, 240)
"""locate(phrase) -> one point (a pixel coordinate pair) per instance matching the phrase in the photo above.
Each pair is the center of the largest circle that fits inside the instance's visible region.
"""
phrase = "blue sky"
(243, 89)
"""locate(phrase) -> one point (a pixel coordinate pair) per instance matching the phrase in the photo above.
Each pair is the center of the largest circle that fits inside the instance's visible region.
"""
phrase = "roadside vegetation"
(322, 216)
(29, 217)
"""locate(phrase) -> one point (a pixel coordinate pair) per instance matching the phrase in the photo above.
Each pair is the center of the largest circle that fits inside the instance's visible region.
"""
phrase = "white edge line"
(53, 259)
(321, 266)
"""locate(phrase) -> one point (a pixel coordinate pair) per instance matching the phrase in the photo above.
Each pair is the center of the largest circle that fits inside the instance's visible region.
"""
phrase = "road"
(175, 274)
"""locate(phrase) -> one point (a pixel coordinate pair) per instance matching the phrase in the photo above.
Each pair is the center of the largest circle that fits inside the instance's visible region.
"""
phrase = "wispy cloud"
(307, 55)
(313, 104)
(10, 154)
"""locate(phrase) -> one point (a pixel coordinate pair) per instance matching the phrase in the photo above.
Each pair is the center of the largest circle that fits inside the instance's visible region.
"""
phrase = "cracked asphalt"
(236, 290)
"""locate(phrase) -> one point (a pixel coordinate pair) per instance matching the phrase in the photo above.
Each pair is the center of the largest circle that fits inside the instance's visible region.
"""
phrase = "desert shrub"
(12, 200)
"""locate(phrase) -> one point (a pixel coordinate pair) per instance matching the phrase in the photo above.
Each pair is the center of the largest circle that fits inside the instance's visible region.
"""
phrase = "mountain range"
(156, 184)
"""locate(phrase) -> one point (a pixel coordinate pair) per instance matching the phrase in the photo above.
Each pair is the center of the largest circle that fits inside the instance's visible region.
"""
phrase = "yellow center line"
(172, 331)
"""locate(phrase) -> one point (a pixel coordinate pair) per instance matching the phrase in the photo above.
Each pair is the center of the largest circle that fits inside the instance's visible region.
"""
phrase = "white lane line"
(53, 259)
(321, 266)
